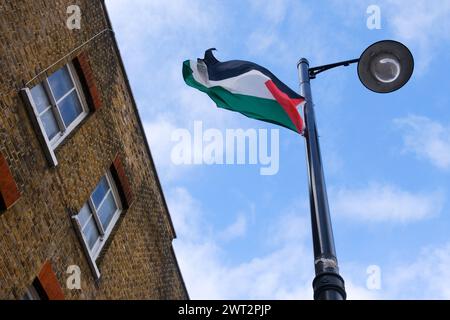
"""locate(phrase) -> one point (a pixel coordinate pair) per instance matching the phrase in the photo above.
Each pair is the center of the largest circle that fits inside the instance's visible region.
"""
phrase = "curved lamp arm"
(316, 70)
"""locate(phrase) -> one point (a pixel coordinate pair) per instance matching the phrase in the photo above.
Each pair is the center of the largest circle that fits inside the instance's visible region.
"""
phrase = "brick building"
(78, 186)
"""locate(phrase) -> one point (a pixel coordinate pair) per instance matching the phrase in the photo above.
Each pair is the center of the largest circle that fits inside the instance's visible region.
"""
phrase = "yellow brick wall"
(137, 261)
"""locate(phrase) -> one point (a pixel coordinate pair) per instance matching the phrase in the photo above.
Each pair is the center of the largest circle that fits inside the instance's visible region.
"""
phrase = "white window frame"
(51, 145)
(93, 254)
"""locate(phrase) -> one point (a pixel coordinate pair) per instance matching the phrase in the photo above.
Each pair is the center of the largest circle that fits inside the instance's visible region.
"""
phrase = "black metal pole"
(328, 284)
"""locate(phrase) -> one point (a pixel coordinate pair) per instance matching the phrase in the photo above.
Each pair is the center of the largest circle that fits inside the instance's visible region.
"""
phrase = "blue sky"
(242, 235)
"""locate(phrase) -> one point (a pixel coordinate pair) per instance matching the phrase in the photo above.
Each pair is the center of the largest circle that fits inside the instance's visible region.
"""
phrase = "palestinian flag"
(245, 87)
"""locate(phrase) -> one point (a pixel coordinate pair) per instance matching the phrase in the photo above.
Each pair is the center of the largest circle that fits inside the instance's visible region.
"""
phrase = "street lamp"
(383, 67)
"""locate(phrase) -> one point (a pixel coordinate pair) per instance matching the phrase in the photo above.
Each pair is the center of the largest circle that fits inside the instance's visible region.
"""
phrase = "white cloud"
(203, 261)
(260, 42)
(283, 30)
(357, 292)
(424, 274)
(427, 139)
(426, 277)
(159, 134)
(272, 12)
(155, 37)
(235, 230)
(423, 22)
(293, 226)
(424, 25)
(186, 213)
(161, 20)
(266, 38)
(284, 272)
(385, 203)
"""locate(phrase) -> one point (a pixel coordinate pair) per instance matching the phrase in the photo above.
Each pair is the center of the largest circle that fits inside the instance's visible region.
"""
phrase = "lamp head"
(385, 66)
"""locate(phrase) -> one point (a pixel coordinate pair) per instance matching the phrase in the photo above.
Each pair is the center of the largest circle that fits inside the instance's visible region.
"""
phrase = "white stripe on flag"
(251, 83)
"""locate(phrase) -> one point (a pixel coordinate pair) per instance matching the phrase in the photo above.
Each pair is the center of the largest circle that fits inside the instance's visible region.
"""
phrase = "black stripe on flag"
(223, 70)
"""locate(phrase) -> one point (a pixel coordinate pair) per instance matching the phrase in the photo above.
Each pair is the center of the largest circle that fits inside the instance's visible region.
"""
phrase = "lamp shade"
(385, 66)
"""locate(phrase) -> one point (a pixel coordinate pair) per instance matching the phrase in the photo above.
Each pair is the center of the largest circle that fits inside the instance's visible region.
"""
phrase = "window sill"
(55, 143)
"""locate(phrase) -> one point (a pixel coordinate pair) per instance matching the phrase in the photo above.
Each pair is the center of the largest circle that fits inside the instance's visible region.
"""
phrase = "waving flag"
(245, 87)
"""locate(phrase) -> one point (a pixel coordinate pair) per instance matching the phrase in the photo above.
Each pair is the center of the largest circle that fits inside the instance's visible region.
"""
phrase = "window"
(32, 294)
(97, 217)
(58, 106)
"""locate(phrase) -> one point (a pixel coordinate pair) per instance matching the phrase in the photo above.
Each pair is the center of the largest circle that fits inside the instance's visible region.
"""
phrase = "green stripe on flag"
(253, 107)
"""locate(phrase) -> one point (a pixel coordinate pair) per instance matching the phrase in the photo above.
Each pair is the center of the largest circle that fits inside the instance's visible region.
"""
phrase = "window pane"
(100, 191)
(70, 108)
(60, 82)
(107, 210)
(84, 214)
(91, 233)
(40, 98)
(50, 125)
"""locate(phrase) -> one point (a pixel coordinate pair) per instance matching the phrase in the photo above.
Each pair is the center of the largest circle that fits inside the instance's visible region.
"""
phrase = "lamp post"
(383, 67)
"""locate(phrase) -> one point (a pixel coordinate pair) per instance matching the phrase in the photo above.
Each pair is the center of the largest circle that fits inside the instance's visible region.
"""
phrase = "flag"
(245, 87)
